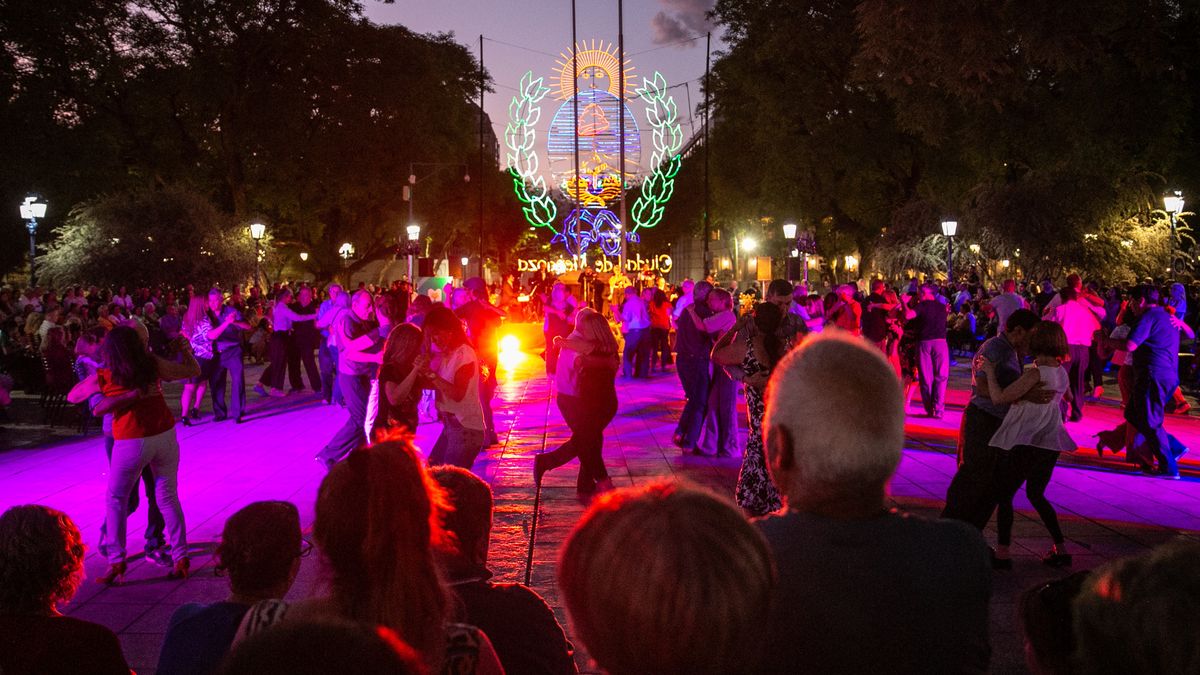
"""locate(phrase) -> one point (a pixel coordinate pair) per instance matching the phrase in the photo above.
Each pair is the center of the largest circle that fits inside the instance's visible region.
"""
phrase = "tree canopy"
(300, 113)
(1035, 125)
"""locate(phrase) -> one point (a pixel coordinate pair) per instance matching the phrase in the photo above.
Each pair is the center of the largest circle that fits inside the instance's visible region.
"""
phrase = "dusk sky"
(541, 29)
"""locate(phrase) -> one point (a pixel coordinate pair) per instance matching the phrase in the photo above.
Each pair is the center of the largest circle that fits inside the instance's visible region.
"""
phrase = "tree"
(148, 237)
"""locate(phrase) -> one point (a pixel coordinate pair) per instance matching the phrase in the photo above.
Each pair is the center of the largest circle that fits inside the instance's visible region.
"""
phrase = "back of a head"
(1010, 286)
(701, 290)
(842, 406)
(594, 327)
(469, 518)
(41, 559)
(1141, 615)
(1024, 319)
(477, 288)
(780, 288)
(259, 547)
(316, 648)
(666, 578)
(378, 517)
(1045, 615)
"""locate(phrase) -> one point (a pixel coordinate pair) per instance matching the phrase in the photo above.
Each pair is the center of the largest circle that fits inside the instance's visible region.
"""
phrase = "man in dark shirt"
(226, 334)
(861, 589)
(875, 315)
(305, 340)
(692, 349)
(522, 628)
(359, 356)
(1154, 346)
(933, 354)
(971, 496)
(483, 327)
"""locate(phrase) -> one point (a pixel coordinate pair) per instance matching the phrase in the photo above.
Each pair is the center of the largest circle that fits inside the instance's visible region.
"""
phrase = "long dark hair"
(131, 364)
(441, 317)
(767, 318)
(402, 346)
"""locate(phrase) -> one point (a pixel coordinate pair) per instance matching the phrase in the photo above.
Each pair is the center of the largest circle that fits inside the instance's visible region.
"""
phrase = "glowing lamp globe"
(33, 207)
(257, 230)
(414, 232)
(949, 227)
(1173, 203)
(789, 231)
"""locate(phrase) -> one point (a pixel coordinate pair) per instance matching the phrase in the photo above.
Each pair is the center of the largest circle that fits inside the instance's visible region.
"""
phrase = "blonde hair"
(667, 578)
(841, 403)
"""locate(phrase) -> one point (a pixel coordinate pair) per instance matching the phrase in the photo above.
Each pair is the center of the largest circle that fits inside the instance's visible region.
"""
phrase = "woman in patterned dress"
(756, 492)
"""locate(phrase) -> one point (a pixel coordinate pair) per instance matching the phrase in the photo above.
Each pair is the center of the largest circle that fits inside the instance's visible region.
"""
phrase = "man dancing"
(225, 333)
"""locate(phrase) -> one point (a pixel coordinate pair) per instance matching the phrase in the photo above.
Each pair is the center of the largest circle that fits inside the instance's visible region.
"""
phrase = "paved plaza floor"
(1106, 511)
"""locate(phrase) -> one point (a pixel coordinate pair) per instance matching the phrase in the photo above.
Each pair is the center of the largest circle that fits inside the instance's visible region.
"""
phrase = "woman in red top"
(144, 434)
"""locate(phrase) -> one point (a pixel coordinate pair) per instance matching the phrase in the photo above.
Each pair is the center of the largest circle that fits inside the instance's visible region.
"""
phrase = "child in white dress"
(1034, 435)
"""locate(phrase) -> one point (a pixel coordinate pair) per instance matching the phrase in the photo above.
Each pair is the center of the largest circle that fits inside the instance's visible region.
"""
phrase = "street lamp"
(1173, 205)
(32, 209)
(346, 250)
(949, 228)
(304, 256)
(789, 231)
(257, 230)
(806, 244)
(412, 247)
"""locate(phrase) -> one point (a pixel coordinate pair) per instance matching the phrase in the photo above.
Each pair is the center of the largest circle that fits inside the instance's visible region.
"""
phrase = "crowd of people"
(666, 577)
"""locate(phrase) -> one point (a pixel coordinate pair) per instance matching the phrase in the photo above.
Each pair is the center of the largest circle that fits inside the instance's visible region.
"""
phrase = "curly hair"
(41, 559)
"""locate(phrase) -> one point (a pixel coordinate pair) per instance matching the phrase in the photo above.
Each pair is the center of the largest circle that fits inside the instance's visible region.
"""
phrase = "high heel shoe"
(182, 568)
(187, 421)
(604, 485)
(539, 469)
(1099, 445)
(1056, 559)
(115, 576)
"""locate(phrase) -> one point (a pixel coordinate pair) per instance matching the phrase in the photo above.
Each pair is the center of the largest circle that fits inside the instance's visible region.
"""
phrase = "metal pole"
(1171, 250)
(707, 205)
(950, 260)
(575, 107)
(412, 188)
(621, 126)
(481, 173)
(257, 257)
(32, 227)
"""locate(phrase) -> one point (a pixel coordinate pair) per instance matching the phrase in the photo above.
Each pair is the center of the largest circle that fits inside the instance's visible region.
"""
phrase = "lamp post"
(32, 209)
(257, 230)
(789, 237)
(949, 228)
(806, 244)
(408, 195)
(414, 238)
(1173, 205)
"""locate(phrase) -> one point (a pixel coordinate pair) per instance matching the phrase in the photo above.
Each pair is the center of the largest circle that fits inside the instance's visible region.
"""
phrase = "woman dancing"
(195, 331)
(587, 397)
(144, 435)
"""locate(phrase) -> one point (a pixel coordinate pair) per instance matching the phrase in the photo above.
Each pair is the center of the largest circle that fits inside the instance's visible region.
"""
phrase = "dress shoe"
(159, 556)
(115, 576)
(183, 567)
(185, 420)
(220, 418)
(1056, 559)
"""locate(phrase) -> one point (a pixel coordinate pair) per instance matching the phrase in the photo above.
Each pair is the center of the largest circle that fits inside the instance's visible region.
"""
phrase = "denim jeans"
(637, 353)
(695, 373)
(457, 445)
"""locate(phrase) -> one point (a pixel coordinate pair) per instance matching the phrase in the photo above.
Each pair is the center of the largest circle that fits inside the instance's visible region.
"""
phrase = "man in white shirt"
(1007, 302)
(1080, 324)
(635, 325)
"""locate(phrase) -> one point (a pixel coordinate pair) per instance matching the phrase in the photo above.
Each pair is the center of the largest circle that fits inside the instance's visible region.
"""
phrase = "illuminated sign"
(659, 263)
(599, 178)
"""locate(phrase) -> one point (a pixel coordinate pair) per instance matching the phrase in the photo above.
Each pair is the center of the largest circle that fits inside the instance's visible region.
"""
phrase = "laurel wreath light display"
(520, 137)
(583, 144)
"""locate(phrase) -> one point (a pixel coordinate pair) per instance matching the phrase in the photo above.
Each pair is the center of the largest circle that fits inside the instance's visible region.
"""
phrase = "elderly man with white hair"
(862, 589)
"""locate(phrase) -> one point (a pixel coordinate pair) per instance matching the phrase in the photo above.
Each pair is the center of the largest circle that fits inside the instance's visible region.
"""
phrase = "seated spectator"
(517, 620)
(861, 589)
(59, 361)
(260, 550)
(1141, 615)
(318, 648)
(1045, 614)
(378, 518)
(667, 578)
(41, 567)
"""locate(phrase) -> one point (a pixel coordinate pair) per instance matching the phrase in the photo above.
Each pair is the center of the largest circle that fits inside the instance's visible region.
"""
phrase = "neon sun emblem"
(599, 181)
